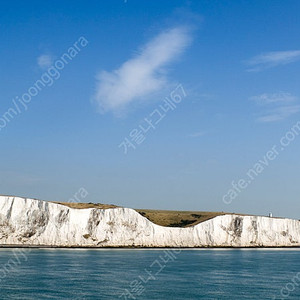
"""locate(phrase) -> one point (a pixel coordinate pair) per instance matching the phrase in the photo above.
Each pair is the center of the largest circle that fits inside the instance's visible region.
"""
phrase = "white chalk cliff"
(29, 222)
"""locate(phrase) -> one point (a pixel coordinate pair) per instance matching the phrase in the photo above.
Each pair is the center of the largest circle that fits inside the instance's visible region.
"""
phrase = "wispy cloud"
(142, 75)
(197, 134)
(279, 114)
(281, 97)
(44, 61)
(272, 59)
(278, 106)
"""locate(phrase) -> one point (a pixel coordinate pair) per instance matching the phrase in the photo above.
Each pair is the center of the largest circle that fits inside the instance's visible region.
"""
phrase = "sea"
(150, 274)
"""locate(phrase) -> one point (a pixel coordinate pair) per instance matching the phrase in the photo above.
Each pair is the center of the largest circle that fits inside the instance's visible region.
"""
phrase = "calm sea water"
(149, 274)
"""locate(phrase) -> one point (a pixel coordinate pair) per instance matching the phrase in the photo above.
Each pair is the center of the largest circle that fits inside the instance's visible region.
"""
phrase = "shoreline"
(140, 248)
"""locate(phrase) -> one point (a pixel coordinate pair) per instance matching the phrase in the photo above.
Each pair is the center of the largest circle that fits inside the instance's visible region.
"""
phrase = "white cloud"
(45, 61)
(142, 75)
(272, 59)
(278, 106)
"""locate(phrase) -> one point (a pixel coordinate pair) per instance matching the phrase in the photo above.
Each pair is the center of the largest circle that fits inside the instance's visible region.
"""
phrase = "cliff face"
(39, 223)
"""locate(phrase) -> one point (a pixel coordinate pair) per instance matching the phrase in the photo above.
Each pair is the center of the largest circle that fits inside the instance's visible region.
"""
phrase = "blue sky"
(238, 63)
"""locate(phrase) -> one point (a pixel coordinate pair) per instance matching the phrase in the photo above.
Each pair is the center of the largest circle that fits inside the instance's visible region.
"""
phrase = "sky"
(182, 105)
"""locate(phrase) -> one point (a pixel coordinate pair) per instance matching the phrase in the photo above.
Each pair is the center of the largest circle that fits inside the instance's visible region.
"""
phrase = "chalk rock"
(30, 222)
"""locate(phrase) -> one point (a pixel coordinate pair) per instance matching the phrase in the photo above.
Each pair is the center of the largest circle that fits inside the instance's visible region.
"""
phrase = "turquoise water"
(149, 274)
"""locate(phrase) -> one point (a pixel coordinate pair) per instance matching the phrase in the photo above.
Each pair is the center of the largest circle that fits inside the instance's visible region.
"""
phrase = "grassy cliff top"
(174, 218)
(86, 205)
(169, 218)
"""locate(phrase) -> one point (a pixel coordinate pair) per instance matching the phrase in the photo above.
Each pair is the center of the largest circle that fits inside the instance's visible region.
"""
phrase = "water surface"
(149, 274)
